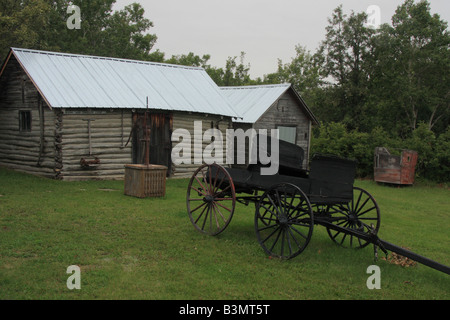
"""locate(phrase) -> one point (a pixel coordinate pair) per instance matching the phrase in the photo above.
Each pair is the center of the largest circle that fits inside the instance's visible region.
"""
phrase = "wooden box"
(395, 169)
(145, 181)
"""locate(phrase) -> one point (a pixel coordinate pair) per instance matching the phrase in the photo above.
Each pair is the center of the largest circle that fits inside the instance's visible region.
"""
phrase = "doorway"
(160, 125)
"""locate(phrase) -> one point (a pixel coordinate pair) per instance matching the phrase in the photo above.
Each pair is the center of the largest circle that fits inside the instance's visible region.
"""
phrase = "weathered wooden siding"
(396, 169)
(34, 151)
(186, 121)
(59, 138)
(287, 112)
(109, 132)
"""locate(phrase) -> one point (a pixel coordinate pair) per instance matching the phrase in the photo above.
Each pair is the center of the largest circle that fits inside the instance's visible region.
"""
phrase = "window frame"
(288, 126)
(25, 121)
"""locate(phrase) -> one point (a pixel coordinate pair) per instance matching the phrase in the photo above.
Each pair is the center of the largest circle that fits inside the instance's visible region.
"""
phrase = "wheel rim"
(361, 214)
(211, 199)
(284, 221)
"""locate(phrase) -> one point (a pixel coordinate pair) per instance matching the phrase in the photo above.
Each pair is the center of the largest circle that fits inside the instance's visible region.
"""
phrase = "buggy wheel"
(284, 221)
(361, 214)
(211, 199)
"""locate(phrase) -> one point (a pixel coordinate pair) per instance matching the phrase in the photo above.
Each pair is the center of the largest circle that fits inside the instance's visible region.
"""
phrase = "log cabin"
(277, 106)
(79, 117)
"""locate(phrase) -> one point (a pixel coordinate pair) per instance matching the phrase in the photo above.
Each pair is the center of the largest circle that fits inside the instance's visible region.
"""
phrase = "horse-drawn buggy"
(290, 203)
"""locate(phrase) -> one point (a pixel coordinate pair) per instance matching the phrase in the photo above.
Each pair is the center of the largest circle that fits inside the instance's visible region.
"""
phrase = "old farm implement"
(289, 204)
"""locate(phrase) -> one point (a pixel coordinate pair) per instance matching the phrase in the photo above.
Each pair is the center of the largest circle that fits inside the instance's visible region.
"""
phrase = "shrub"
(434, 158)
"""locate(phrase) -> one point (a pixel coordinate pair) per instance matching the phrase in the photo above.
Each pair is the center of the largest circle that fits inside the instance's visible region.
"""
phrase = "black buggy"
(290, 203)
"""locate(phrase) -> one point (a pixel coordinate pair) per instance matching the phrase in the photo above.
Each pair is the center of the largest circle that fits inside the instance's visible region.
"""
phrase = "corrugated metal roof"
(253, 101)
(80, 81)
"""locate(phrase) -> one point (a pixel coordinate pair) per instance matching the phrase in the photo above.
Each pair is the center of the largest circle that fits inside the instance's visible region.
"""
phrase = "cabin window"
(288, 134)
(24, 121)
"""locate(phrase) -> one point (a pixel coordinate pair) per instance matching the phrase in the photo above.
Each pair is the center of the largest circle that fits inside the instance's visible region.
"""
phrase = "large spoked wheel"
(361, 214)
(211, 199)
(284, 221)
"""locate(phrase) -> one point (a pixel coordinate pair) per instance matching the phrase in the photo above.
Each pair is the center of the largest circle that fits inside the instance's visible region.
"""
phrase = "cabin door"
(160, 125)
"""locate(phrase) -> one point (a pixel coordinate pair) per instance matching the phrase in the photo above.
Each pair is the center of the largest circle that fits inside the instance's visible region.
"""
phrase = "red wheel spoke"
(201, 214)
(200, 184)
(218, 205)
(198, 191)
(198, 207)
(220, 213)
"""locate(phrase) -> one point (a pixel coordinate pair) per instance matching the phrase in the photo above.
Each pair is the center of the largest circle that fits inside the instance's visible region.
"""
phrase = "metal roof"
(253, 101)
(80, 81)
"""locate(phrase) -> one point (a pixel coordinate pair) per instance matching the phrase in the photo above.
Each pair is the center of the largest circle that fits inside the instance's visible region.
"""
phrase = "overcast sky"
(266, 30)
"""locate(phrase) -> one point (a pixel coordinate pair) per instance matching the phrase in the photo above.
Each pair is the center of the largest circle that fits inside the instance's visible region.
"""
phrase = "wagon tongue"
(384, 245)
(387, 246)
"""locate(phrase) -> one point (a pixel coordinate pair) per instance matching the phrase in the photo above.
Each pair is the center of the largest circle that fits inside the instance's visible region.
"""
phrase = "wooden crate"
(145, 181)
(395, 169)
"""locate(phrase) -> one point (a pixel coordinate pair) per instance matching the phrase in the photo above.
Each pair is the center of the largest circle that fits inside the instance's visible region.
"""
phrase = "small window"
(288, 134)
(25, 121)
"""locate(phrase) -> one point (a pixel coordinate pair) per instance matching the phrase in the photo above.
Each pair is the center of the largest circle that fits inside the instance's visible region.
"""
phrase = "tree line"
(390, 85)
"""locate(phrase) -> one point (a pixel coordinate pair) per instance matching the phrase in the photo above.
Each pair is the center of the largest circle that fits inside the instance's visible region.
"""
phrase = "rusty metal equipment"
(289, 204)
(395, 169)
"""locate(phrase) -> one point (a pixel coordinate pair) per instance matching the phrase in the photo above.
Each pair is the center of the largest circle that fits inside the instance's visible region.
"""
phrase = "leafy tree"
(190, 59)
(236, 74)
(124, 34)
(303, 72)
(412, 67)
(442, 171)
(41, 24)
(344, 54)
(334, 49)
(22, 24)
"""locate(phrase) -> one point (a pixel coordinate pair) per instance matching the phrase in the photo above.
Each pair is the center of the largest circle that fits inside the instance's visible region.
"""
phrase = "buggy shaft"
(384, 245)
(414, 256)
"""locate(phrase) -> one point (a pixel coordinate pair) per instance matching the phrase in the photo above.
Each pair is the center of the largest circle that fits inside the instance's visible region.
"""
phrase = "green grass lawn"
(129, 248)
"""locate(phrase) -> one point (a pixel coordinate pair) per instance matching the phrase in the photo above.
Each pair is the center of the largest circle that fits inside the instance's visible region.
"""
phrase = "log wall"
(31, 151)
(186, 121)
(107, 142)
(104, 154)
(60, 138)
